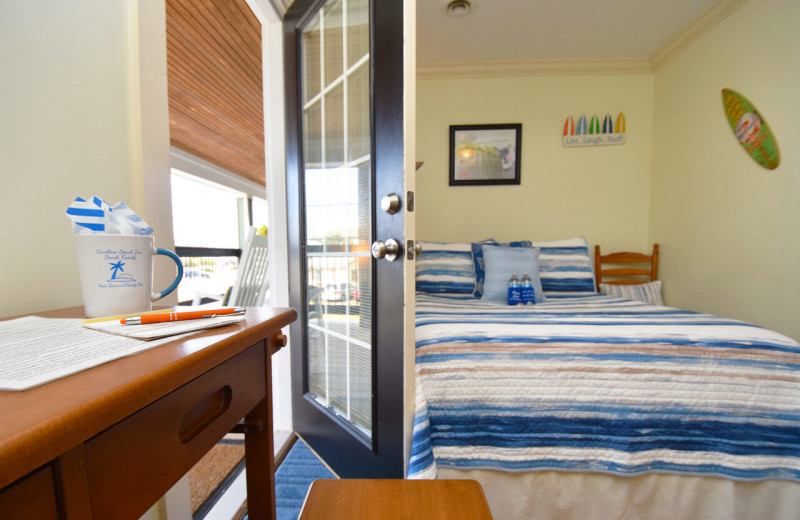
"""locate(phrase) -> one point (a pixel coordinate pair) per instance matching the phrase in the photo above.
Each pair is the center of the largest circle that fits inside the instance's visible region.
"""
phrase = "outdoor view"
(208, 215)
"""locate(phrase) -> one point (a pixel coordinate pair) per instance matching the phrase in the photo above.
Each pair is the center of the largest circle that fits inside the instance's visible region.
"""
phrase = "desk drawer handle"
(204, 413)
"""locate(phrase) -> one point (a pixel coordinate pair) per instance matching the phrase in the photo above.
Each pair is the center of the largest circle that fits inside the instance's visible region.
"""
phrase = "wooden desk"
(108, 442)
(392, 499)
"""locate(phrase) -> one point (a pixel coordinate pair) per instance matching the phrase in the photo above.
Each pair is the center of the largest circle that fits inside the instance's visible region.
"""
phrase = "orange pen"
(178, 316)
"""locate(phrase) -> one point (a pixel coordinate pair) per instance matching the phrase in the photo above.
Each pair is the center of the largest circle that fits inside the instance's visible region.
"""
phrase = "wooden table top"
(38, 424)
(395, 499)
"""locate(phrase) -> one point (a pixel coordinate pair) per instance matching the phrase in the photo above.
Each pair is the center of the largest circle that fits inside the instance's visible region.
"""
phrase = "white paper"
(36, 350)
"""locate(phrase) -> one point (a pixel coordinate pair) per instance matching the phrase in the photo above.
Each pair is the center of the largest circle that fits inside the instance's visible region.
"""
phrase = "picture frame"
(485, 154)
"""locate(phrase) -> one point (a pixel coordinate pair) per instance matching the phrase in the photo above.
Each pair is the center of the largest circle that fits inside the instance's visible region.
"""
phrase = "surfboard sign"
(750, 129)
(592, 134)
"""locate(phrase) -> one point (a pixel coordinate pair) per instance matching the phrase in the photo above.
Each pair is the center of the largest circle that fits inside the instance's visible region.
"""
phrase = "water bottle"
(514, 293)
(528, 297)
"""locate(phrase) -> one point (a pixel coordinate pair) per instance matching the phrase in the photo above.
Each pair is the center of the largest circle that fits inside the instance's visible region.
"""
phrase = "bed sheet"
(548, 495)
(602, 385)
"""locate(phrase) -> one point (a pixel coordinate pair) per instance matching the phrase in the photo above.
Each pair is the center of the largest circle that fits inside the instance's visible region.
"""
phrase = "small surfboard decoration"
(581, 128)
(594, 125)
(750, 129)
(619, 128)
(608, 128)
(569, 126)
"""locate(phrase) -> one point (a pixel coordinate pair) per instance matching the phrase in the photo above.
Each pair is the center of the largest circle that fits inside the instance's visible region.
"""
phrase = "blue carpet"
(293, 478)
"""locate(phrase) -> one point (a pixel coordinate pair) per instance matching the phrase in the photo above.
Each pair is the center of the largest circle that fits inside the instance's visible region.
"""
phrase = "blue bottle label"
(514, 295)
(528, 298)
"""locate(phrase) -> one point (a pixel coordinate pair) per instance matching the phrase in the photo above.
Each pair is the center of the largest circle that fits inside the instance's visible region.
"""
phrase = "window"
(205, 214)
(211, 220)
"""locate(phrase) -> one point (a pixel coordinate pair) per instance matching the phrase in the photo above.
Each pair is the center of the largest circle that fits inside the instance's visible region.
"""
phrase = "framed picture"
(485, 154)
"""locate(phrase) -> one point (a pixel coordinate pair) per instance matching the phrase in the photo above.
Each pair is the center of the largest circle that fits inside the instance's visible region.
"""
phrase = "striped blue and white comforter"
(601, 384)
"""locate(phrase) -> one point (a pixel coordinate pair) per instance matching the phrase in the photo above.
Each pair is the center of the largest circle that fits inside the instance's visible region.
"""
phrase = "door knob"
(389, 250)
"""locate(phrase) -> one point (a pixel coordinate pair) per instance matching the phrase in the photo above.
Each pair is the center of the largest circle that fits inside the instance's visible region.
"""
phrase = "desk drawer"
(32, 497)
(133, 462)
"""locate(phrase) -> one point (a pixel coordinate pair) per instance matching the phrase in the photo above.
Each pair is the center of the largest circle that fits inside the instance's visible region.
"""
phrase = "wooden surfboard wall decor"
(750, 129)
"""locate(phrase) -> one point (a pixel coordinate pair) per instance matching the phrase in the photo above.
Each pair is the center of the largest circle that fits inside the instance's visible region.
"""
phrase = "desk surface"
(39, 424)
(393, 499)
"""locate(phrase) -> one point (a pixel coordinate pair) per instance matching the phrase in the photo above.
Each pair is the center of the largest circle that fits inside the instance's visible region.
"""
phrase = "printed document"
(36, 350)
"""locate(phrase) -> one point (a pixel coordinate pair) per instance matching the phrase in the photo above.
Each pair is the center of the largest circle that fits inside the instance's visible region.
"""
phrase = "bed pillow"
(501, 263)
(649, 292)
(478, 264)
(445, 267)
(565, 266)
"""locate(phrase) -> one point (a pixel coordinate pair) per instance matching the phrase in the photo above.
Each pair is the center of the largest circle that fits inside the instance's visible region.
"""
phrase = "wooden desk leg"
(72, 484)
(259, 456)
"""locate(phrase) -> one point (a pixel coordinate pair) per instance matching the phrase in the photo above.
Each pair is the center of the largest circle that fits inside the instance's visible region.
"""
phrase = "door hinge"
(410, 201)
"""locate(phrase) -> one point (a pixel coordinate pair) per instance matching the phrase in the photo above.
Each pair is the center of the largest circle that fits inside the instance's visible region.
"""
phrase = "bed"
(592, 406)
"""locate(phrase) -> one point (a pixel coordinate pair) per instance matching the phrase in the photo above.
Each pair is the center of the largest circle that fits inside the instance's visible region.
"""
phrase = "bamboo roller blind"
(215, 84)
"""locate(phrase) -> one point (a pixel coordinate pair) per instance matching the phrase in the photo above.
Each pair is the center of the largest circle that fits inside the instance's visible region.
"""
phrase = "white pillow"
(649, 292)
(501, 263)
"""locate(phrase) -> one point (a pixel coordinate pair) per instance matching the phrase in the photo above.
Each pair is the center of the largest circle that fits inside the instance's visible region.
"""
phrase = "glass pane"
(193, 224)
(359, 240)
(361, 387)
(316, 363)
(361, 303)
(260, 213)
(338, 220)
(332, 18)
(334, 126)
(358, 137)
(312, 72)
(206, 278)
(357, 30)
(337, 373)
(312, 134)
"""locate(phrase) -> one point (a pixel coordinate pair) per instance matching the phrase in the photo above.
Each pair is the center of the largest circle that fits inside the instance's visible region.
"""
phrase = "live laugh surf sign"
(750, 129)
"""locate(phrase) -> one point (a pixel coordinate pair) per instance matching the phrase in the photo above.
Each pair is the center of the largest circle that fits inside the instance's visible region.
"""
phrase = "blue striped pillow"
(445, 267)
(565, 266)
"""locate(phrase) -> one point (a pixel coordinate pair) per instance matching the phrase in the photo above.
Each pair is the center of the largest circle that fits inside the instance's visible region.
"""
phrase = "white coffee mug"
(116, 273)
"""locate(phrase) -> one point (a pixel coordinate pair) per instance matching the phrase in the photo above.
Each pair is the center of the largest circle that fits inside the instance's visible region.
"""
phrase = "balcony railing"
(208, 272)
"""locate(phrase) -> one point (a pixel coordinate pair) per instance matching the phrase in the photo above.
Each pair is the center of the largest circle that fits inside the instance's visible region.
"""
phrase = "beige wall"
(599, 192)
(730, 229)
(73, 124)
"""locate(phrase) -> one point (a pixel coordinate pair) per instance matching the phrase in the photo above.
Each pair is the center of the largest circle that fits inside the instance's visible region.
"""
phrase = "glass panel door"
(338, 209)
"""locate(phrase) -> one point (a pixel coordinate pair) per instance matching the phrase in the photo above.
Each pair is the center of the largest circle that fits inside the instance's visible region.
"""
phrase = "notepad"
(152, 331)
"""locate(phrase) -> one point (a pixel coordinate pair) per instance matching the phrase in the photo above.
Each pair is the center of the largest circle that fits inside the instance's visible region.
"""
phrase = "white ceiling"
(531, 30)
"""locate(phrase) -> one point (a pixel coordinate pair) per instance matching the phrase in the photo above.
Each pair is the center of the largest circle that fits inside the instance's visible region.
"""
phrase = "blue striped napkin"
(96, 216)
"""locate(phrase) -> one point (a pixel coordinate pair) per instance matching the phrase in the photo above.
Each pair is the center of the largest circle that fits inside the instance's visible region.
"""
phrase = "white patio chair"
(252, 282)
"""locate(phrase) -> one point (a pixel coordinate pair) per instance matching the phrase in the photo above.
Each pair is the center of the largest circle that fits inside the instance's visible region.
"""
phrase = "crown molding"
(692, 32)
(495, 69)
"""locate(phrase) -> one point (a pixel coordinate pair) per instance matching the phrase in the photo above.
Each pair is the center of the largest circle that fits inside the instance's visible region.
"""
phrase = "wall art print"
(485, 154)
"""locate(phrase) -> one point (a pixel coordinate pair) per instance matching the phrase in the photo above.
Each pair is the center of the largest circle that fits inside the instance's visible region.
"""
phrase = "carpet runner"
(293, 478)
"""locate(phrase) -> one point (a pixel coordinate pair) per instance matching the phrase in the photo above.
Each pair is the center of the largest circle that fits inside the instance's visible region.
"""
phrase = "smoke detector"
(457, 8)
